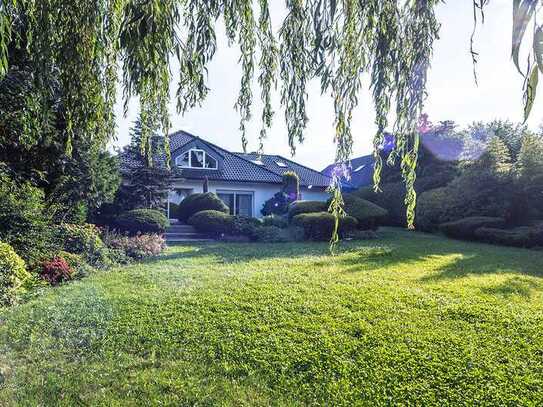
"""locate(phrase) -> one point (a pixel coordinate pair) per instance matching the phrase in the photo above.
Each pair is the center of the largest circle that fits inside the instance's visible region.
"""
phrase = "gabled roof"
(361, 171)
(279, 165)
(242, 168)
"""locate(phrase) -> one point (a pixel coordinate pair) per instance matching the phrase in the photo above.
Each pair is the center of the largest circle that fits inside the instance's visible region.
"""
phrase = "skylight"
(257, 162)
(359, 168)
(281, 164)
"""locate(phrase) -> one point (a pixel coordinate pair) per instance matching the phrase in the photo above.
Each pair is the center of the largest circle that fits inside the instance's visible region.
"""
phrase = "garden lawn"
(409, 318)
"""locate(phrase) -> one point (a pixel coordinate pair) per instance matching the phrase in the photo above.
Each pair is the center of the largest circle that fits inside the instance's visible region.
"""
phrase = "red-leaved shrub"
(56, 270)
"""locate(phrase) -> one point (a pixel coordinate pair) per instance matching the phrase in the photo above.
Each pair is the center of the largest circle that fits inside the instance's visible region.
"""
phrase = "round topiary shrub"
(320, 225)
(299, 207)
(368, 214)
(13, 275)
(143, 221)
(200, 202)
(212, 222)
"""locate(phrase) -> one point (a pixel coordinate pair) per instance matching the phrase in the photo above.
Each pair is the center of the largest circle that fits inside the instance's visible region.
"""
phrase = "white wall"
(261, 192)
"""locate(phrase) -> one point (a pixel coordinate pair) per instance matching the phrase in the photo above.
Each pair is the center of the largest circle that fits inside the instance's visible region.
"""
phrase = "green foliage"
(200, 202)
(299, 207)
(368, 215)
(76, 262)
(25, 219)
(274, 220)
(136, 247)
(84, 240)
(320, 225)
(391, 197)
(143, 221)
(275, 234)
(146, 179)
(277, 205)
(465, 228)
(433, 209)
(13, 275)
(291, 185)
(522, 236)
(212, 222)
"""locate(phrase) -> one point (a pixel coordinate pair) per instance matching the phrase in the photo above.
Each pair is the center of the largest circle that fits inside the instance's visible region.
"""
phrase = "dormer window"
(196, 158)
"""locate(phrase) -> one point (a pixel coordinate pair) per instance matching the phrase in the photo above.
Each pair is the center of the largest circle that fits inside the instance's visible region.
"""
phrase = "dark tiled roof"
(361, 171)
(307, 175)
(236, 166)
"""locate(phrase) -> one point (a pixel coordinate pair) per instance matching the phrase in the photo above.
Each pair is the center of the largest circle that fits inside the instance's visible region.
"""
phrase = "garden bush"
(244, 226)
(368, 214)
(432, 209)
(320, 225)
(84, 240)
(523, 236)
(56, 271)
(391, 197)
(275, 220)
(143, 221)
(13, 275)
(277, 205)
(136, 247)
(272, 234)
(77, 263)
(25, 220)
(200, 202)
(300, 207)
(465, 228)
(212, 222)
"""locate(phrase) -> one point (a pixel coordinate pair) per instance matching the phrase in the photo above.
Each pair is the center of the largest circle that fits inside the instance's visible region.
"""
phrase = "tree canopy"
(79, 47)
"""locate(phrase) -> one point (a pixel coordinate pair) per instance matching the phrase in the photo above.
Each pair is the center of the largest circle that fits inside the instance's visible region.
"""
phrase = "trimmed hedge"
(431, 210)
(212, 222)
(320, 225)
(143, 221)
(200, 202)
(299, 207)
(13, 274)
(465, 228)
(518, 237)
(391, 198)
(274, 234)
(275, 220)
(368, 214)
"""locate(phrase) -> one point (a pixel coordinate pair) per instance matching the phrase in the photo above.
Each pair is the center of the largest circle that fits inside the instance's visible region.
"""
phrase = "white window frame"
(239, 192)
(196, 150)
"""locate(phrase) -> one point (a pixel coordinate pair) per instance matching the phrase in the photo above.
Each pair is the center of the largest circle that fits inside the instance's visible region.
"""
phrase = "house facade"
(243, 181)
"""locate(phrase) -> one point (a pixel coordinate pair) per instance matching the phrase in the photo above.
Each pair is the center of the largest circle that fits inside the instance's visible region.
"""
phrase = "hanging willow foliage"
(81, 44)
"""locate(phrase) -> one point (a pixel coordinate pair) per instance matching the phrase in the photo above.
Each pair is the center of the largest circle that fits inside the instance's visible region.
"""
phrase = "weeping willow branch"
(295, 68)
(79, 46)
(268, 67)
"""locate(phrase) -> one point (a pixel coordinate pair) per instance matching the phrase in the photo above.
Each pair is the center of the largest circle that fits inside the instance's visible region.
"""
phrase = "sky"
(452, 93)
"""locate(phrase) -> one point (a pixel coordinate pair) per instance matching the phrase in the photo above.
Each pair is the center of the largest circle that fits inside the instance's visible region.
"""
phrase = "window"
(257, 162)
(281, 164)
(240, 203)
(195, 158)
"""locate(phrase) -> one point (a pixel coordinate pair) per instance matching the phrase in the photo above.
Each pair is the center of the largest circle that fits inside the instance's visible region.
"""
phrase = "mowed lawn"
(406, 319)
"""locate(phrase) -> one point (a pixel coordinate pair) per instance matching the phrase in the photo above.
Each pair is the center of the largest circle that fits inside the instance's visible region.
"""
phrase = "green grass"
(407, 319)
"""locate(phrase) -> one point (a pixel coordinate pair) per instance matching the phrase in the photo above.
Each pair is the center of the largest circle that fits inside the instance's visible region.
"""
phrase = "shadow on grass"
(394, 248)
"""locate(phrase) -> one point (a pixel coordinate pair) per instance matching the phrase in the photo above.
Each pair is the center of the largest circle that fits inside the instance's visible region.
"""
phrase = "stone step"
(188, 241)
(180, 229)
(183, 235)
